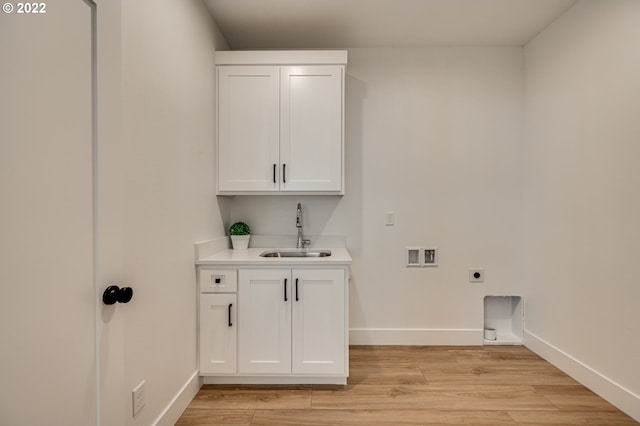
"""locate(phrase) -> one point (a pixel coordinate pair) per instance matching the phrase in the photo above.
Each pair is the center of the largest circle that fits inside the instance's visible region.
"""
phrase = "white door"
(47, 264)
(248, 128)
(318, 321)
(311, 128)
(264, 323)
(218, 332)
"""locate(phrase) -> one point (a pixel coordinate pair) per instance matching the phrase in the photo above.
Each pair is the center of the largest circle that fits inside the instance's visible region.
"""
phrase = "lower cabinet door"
(265, 321)
(218, 333)
(318, 321)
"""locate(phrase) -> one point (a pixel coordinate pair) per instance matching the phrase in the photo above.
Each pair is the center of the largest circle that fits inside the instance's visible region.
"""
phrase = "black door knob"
(113, 294)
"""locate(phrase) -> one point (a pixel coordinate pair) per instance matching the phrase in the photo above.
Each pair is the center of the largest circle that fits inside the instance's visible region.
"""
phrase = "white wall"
(582, 201)
(434, 135)
(168, 129)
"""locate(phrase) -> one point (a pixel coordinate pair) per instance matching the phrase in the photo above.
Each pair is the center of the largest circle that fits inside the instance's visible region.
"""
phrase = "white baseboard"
(611, 391)
(415, 336)
(179, 402)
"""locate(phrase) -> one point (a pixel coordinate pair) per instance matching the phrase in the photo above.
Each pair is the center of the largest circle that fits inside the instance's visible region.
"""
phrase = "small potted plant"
(240, 234)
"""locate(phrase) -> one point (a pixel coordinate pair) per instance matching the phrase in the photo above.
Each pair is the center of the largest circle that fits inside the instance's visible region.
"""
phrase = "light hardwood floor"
(417, 385)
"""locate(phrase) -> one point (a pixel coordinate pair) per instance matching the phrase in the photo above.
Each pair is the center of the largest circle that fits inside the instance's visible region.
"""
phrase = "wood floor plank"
(497, 355)
(407, 397)
(215, 416)
(570, 389)
(574, 398)
(379, 417)
(580, 403)
(570, 418)
(379, 375)
(410, 355)
(495, 374)
(250, 397)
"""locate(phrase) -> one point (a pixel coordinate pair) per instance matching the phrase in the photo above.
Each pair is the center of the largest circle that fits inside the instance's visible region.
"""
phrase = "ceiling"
(316, 24)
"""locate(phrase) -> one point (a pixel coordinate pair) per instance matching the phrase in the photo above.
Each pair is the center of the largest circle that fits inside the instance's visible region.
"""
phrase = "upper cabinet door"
(248, 128)
(311, 123)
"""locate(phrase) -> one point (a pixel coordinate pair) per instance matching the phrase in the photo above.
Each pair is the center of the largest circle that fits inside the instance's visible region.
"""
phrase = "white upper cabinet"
(281, 122)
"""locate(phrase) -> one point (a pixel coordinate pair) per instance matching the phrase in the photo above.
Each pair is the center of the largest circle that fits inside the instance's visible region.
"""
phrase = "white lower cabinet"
(292, 321)
(218, 333)
(273, 325)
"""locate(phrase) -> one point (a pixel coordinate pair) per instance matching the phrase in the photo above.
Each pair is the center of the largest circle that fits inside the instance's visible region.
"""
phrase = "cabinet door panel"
(318, 324)
(265, 321)
(218, 333)
(248, 128)
(311, 128)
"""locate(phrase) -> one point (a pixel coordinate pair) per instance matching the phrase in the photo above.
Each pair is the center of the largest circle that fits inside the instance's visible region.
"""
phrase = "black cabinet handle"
(230, 323)
(297, 290)
(285, 289)
(284, 173)
(274, 173)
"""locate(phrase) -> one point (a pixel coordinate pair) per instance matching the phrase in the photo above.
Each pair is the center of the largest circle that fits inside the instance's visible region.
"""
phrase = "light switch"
(389, 218)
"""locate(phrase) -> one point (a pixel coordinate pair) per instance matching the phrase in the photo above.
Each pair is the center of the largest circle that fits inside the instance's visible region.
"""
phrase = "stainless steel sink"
(296, 253)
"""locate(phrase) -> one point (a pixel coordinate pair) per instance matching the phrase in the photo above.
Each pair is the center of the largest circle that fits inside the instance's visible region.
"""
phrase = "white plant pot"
(240, 242)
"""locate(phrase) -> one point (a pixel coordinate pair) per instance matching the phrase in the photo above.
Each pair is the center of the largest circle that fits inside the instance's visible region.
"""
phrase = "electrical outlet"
(138, 398)
(476, 275)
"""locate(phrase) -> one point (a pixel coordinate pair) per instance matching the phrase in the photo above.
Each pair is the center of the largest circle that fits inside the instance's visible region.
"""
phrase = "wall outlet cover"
(476, 275)
(138, 398)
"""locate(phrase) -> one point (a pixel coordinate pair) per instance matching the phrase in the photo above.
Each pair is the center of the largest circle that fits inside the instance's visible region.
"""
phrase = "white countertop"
(251, 256)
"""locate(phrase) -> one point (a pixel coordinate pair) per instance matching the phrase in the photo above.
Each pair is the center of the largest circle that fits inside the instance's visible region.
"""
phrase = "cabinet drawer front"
(218, 280)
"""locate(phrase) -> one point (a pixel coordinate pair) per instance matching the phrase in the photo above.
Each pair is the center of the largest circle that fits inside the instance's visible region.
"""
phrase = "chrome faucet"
(302, 243)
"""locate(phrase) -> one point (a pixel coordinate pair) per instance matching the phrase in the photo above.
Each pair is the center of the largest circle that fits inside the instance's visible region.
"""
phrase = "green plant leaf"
(239, 228)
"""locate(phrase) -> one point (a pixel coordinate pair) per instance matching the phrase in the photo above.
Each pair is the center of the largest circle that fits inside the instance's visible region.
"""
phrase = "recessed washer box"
(504, 314)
